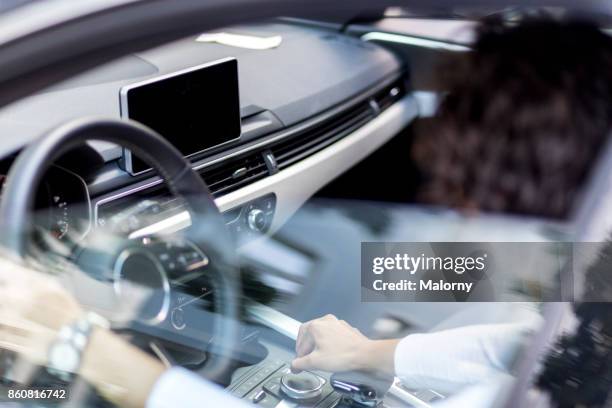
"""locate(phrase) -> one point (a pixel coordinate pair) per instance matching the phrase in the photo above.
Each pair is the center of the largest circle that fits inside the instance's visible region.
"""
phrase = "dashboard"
(265, 129)
(289, 126)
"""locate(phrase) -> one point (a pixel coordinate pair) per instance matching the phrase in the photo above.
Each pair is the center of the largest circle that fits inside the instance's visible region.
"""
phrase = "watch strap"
(73, 337)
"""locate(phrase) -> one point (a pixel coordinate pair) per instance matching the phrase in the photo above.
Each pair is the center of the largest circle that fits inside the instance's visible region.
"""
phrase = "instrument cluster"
(62, 205)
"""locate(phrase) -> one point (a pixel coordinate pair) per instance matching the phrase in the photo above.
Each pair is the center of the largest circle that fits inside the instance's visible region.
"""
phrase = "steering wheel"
(31, 165)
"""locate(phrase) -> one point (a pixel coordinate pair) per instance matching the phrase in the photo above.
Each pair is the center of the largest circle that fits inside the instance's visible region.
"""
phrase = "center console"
(271, 383)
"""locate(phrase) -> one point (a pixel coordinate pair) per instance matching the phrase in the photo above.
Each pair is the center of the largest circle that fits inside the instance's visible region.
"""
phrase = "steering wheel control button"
(301, 386)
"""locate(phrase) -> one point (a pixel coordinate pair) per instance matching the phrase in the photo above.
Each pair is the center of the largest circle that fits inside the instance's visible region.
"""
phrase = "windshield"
(289, 213)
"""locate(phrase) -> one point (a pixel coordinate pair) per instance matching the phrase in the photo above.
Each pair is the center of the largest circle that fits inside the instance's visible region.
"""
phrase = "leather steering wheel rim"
(29, 168)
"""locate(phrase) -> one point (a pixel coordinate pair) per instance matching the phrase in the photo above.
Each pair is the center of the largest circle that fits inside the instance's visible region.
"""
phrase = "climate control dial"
(257, 220)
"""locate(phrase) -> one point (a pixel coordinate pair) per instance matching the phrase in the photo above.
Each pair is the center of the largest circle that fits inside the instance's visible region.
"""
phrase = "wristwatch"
(65, 354)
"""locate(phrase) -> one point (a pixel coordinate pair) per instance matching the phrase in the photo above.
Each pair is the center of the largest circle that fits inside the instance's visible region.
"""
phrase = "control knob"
(301, 386)
(256, 220)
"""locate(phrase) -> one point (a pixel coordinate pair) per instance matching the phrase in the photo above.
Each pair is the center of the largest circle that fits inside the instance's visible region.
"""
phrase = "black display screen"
(195, 110)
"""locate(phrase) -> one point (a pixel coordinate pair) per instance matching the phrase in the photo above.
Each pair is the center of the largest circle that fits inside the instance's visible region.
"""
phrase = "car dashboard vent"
(233, 174)
(303, 144)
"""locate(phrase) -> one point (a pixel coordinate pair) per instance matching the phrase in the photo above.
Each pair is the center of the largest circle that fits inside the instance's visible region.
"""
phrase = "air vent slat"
(324, 130)
(297, 157)
(307, 143)
(320, 141)
(316, 138)
(235, 173)
(231, 179)
(229, 172)
(242, 182)
(336, 126)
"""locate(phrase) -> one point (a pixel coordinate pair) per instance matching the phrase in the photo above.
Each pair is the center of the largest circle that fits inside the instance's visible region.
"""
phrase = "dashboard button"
(301, 386)
(256, 220)
(273, 386)
(259, 396)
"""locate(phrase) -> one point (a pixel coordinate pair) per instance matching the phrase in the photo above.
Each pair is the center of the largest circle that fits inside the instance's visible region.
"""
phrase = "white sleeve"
(179, 387)
(448, 360)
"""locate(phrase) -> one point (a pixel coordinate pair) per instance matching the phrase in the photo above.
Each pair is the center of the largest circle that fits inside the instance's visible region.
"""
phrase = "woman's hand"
(35, 296)
(333, 345)
(33, 307)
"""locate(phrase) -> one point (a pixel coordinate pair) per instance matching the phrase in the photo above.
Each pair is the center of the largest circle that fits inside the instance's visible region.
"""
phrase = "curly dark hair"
(525, 115)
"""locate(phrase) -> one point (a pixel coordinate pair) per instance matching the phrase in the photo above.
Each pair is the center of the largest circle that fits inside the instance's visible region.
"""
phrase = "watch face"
(64, 357)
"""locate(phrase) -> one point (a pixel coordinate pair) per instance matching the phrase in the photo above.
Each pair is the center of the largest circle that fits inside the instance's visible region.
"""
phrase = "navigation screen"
(195, 109)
